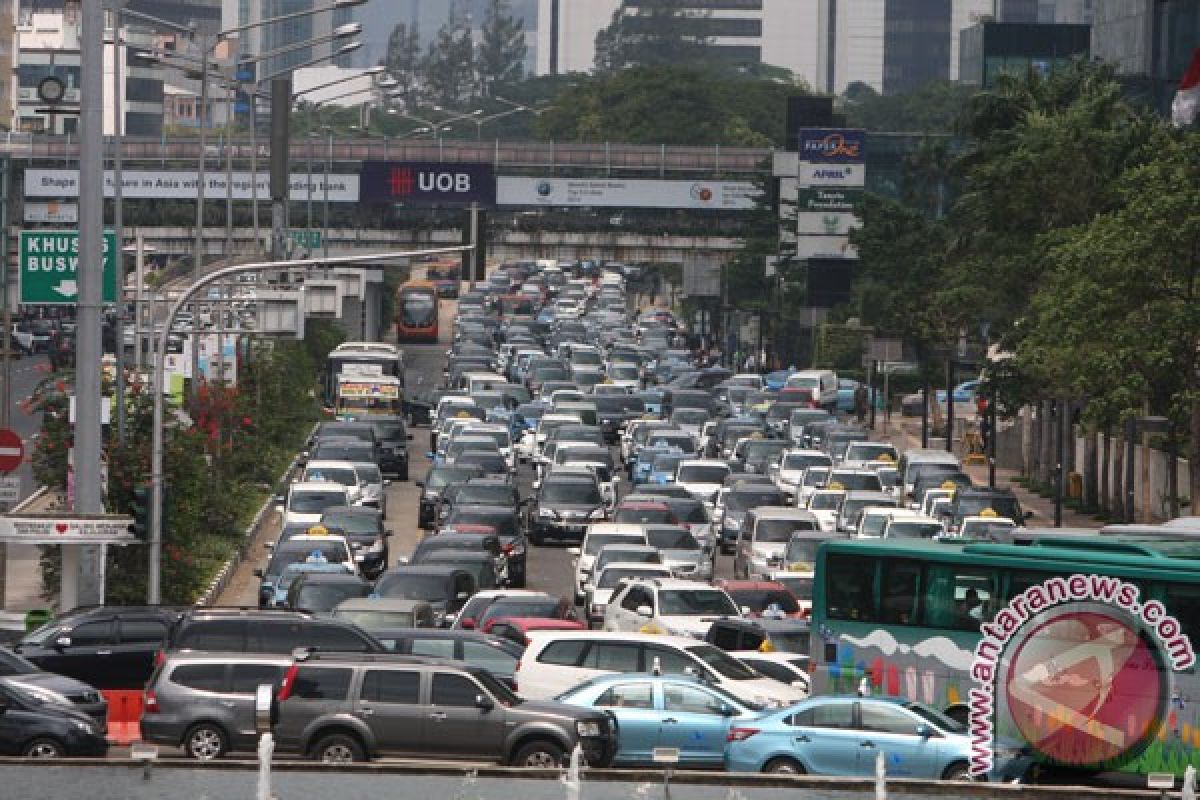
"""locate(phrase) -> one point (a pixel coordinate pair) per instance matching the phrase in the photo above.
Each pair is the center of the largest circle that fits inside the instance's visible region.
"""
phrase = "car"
(789, 668)
(564, 506)
(788, 473)
(426, 707)
(825, 504)
(273, 592)
(384, 613)
(556, 661)
(764, 537)
(304, 502)
(703, 477)
(672, 606)
(30, 727)
(216, 629)
(294, 554)
(435, 482)
(393, 437)
(53, 688)
(734, 502)
(681, 551)
(106, 647)
(667, 711)
(843, 736)
(608, 579)
(445, 587)
(204, 702)
(541, 605)
(363, 529)
(761, 634)
(762, 598)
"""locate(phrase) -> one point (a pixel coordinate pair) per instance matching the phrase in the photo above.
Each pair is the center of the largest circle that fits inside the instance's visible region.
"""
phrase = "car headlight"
(587, 728)
(547, 513)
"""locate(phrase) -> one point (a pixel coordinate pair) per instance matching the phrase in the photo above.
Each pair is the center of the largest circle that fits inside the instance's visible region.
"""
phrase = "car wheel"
(784, 766)
(205, 741)
(44, 748)
(540, 755)
(338, 748)
(958, 771)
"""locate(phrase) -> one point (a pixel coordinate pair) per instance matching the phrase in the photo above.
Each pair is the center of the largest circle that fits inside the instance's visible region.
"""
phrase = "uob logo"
(401, 182)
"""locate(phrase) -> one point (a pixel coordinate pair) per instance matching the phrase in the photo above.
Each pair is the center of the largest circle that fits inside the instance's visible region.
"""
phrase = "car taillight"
(508, 548)
(289, 683)
(150, 703)
(740, 734)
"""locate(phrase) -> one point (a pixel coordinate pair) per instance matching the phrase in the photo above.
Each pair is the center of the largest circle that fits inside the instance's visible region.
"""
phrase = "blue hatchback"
(675, 711)
(845, 735)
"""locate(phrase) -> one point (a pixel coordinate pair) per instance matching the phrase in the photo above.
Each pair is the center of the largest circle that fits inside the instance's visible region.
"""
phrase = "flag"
(1187, 99)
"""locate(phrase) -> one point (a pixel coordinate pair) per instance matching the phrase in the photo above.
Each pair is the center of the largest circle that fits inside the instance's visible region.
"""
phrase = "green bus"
(1075, 648)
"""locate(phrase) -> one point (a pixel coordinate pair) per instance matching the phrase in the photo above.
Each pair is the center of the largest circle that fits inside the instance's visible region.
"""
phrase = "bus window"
(958, 598)
(850, 588)
(900, 587)
(1183, 603)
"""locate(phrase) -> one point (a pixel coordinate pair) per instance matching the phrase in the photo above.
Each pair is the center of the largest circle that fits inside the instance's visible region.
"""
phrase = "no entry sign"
(12, 450)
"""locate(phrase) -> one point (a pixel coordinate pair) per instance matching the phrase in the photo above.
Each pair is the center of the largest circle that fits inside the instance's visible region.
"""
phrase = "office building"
(1150, 43)
(990, 49)
(283, 40)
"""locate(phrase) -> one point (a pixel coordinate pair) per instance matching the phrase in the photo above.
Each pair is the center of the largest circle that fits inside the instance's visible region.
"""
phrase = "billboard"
(832, 145)
(144, 184)
(51, 211)
(618, 193)
(427, 183)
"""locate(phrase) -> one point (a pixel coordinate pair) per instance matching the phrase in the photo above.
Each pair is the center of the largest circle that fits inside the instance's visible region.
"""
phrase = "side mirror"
(645, 611)
(484, 703)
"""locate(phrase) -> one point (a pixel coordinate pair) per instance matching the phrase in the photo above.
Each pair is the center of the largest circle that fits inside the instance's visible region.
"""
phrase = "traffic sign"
(66, 528)
(12, 450)
(10, 489)
(305, 237)
(49, 267)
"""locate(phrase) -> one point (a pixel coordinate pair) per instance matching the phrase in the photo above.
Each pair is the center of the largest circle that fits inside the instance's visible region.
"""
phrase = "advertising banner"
(142, 184)
(51, 212)
(422, 183)
(610, 193)
(832, 145)
(361, 389)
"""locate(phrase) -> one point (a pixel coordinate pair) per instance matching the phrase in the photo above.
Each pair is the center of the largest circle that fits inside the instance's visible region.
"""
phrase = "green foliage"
(448, 68)
(403, 62)
(502, 50)
(936, 107)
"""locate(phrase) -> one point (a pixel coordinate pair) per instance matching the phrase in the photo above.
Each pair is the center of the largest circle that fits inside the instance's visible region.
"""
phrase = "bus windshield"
(418, 308)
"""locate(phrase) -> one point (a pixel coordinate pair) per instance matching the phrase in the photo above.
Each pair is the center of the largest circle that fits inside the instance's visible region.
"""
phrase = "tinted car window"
(453, 690)
(322, 683)
(205, 677)
(93, 633)
(489, 657)
(332, 637)
(563, 654)
(392, 686)
(440, 648)
(612, 657)
(142, 630)
(217, 634)
(246, 678)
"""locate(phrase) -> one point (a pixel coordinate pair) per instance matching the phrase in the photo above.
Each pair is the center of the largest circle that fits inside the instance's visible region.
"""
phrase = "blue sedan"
(844, 736)
(677, 711)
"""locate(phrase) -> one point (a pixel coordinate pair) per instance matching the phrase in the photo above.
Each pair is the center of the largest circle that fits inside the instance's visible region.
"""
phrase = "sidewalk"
(905, 434)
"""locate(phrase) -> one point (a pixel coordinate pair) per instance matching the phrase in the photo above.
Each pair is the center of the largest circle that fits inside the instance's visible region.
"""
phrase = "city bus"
(417, 312)
(1057, 644)
(377, 358)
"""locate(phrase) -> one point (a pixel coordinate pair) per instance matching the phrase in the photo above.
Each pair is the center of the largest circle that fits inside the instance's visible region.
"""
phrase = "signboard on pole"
(66, 528)
(827, 199)
(148, 184)
(49, 262)
(832, 145)
(308, 238)
(10, 489)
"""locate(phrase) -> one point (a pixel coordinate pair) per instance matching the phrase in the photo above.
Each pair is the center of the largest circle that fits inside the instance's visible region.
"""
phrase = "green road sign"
(306, 238)
(49, 262)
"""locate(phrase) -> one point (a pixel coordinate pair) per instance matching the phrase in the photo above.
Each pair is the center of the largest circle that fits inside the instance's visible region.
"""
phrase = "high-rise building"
(286, 40)
(1149, 42)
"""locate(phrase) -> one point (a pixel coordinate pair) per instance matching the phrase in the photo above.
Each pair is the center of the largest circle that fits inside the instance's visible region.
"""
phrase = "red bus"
(417, 312)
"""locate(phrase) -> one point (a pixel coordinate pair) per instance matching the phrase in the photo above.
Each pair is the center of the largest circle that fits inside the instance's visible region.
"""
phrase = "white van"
(823, 383)
(556, 661)
(921, 455)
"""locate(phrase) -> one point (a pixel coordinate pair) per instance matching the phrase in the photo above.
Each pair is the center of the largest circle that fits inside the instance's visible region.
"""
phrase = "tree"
(449, 65)
(501, 53)
(934, 108)
(403, 62)
(656, 33)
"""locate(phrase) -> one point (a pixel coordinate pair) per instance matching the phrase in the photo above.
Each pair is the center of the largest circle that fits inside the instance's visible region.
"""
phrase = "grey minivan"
(204, 702)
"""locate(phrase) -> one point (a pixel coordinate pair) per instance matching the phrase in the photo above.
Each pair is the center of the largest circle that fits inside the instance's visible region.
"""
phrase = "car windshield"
(764, 449)
(672, 539)
(853, 506)
(625, 373)
(857, 481)
(778, 531)
(644, 515)
(332, 552)
(905, 529)
(702, 473)
(826, 501)
(746, 499)
(346, 476)
(689, 416)
(871, 524)
(974, 506)
(578, 493)
(802, 550)
(758, 600)
(386, 431)
(377, 620)
(869, 451)
(628, 556)
(441, 477)
(684, 443)
(343, 452)
(803, 460)
(412, 587)
(727, 666)
(314, 502)
(543, 607)
(666, 463)
(485, 495)
(368, 473)
(688, 510)
(801, 586)
(695, 602)
(816, 476)
(936, 718)
(502, 521)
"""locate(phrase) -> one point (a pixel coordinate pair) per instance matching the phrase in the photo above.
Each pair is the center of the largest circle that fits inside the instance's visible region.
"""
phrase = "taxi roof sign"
(951, 485)
(988, 512)
(885, 457)
(318, 530)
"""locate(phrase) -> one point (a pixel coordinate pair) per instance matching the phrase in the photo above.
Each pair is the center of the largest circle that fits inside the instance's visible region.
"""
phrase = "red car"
(756, 597)
(517, 628)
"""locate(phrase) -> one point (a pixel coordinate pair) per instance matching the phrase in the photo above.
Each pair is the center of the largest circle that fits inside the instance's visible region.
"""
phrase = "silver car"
(681, 551)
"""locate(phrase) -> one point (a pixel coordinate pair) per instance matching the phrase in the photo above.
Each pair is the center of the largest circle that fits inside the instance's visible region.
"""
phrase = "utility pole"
(281, 103)
(118, 226)
(83, 567)
(198, 256)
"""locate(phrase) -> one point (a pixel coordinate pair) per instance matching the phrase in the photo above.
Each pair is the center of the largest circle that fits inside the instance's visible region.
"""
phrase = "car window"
(670, 661)
(93, 633)
(563, 654)
(217, 634)
(887, 719)
(827, 715)
(440, 648)
(627, 695)
(454, 690)
(633, 599)
(392, 686)
(612, 657)
(334, 638)
(770, 669)
(204, 677)
(144, 629)
(489, 657)
(322, 683)
(246, 678)
(690, 700)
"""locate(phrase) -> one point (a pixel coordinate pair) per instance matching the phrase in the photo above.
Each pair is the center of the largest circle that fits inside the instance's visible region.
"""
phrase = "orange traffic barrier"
(124, 715)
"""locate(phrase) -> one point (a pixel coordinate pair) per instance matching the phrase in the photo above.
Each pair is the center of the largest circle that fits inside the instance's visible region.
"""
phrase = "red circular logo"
(1085, 688)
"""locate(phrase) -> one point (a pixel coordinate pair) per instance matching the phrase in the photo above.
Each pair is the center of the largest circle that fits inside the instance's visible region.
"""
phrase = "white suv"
(671, 606)
(556, 661)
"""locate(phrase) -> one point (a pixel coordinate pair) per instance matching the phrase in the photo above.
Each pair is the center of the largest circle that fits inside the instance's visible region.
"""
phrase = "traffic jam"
(623, 548)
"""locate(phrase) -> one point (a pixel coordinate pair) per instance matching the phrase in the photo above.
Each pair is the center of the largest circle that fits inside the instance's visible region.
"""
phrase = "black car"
(320, 592)
(564, 506)
(107, 647)
(435, 482)
(52, 687)
(363, 529)
(444, 586)
(34, 728)
(393, 438)
(974, 501)
(505, 521)
(477, 491)
(344, 449)
(614, 411)
(240, 630)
